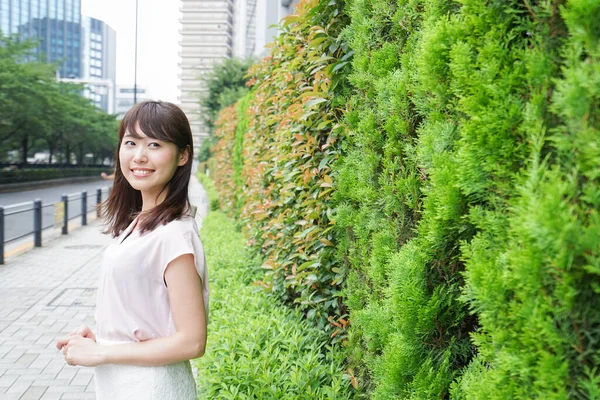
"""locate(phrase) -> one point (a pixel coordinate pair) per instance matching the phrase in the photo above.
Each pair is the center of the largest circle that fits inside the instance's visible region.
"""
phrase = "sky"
(158, 35)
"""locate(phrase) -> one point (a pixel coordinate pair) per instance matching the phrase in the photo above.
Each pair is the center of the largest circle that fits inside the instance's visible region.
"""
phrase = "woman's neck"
(151, 200)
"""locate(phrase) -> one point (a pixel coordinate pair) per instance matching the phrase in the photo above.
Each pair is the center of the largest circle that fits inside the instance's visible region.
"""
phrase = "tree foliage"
(225, 84)
(37, 113)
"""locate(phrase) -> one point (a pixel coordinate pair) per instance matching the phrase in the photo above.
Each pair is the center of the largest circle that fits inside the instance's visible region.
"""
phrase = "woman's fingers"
(86, 332)
(83, 331)
(63, 341)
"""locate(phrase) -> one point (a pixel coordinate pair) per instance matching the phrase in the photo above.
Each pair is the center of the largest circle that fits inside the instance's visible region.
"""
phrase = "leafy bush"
(533, 271)
(460, 195)
(400, 215)
(42, 174)
(256, 349)
(458, 205)
(211, 192)
(222, 158)
(238, 150)
(225, 84)
(290, 146)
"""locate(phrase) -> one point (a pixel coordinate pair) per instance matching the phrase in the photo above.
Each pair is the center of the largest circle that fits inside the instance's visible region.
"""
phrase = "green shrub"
(457, 207)
(257, 349)
(290, 147)
(467, 199)
(238, 151)
(223, 173)
(399, 218)
(42, 174)
(211, 192)
(532, 271)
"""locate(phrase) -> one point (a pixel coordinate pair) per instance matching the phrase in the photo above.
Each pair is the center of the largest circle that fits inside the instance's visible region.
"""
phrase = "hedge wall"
(223, 171)
(288, 151)
(42, 174)
(454, 191)
(460, 199)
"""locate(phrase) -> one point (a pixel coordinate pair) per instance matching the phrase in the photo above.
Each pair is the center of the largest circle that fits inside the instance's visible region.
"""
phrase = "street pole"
(135, 56)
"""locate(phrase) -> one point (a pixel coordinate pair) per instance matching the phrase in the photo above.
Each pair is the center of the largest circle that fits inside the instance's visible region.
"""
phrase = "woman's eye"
(129, 143)
(154, 144)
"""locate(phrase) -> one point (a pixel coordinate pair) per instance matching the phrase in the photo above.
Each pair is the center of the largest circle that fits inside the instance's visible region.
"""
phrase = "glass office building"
(55, 24)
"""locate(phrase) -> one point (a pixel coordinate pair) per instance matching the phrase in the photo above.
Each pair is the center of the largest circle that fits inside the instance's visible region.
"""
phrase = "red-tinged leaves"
(289, 147)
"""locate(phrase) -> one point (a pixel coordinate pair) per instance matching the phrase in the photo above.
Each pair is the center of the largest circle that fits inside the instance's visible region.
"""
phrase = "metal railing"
(36, 206)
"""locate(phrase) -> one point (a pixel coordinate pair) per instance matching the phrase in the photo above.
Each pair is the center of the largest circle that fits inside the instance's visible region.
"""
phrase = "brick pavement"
(45, 293)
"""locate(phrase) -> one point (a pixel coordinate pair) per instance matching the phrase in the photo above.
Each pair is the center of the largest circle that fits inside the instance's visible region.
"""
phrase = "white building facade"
(206, 36)
(212, 30)
(252, 25)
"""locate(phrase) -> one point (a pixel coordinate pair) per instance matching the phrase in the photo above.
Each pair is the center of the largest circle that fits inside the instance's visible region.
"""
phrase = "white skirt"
(130, 382)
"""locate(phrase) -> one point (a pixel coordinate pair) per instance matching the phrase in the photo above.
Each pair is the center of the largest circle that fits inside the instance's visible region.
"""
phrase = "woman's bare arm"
(187, 307)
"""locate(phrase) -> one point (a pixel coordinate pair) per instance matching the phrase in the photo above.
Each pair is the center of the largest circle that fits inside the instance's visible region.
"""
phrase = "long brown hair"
(162, 121)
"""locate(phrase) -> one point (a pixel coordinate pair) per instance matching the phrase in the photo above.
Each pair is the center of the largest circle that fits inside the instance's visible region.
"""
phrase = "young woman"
(152, 304)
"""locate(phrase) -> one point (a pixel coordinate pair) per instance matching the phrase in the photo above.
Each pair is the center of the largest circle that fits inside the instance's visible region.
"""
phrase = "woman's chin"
(139, 184)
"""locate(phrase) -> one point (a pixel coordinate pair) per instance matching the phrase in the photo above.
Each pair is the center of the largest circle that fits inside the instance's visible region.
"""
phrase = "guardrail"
(61, 207)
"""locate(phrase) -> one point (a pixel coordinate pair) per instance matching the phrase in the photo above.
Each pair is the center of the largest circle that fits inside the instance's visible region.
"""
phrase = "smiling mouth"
(141, 172)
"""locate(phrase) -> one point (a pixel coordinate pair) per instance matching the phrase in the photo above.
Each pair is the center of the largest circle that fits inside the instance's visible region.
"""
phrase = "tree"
(39, 113)
(24, 95)
(226, 83)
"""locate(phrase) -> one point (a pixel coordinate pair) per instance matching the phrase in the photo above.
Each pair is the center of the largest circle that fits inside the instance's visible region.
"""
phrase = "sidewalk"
(45, 293)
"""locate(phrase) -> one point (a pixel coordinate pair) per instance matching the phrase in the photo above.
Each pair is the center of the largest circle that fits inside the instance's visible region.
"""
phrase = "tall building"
(206, 37)
(253, 24)
(99, 62)
(56, 24)
(215, 29)
(244, 30)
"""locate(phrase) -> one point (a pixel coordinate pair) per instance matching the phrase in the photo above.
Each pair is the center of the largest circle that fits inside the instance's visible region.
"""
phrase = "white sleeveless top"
(132, 294)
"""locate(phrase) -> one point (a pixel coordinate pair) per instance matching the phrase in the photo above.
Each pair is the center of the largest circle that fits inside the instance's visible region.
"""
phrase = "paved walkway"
(45, 293)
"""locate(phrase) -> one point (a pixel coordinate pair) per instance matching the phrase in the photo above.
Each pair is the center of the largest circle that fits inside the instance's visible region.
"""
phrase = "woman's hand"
(83, 331)
(82, 351)
(76, 344)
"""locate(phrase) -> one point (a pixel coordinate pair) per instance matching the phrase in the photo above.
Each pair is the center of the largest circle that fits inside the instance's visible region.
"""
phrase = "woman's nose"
(140, 154)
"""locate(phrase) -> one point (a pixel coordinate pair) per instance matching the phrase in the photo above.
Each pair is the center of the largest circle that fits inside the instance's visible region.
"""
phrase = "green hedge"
(238, 149)
(291, 144)
(401, 215)
(211, 192)
(467, 201)
(464, 192)
(257, 349)
(42, 174)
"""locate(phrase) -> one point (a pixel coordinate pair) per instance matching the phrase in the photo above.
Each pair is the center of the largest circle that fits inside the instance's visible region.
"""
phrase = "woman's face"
(148, 164)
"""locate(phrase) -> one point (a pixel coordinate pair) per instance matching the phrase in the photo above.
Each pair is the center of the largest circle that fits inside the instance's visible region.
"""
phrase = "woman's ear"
(184, 157)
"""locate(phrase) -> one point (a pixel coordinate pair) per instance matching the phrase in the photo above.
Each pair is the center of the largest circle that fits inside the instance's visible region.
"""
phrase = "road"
(21, 223)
